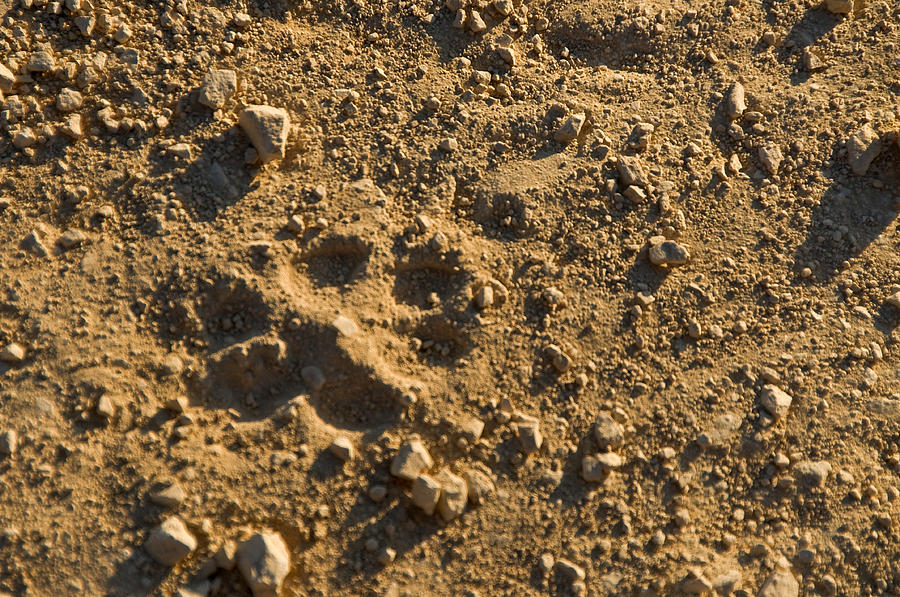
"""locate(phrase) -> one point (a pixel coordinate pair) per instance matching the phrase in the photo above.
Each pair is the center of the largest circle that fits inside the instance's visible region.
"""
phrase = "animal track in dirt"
(357, 391)
(425, 276)
(441, 341)
(231, 310)
(206, 310)
(335, 260)
(456, 264)
(247, 373)
(344, 385)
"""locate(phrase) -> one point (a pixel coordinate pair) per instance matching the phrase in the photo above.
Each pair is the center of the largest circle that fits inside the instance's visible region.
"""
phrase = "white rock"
(508, 55)
(24, 138)
(631, 171)
(342, 448)
(640, 137)
(181, 150)
(345, 326)
(267, 128)
(85, 24)
(169, 495)
(476, 23)
(775, 400)
(841, 7)
(530, 437)
(123, 33)
(264, 563)
(454, 495)
(480, 486)
(106, 408)
(484, 298)
(812, 474)
(68, 100)
(411, 460)
(72, 127)
(9, 442)
(41, 62)
(770, 157)
(894, 300)
(862, 149)
(471, 428)
(596, 468)
(219, 86)
(12, 353)
(226, 556)
(33, 244)
(781, 583)
(635, 194)
(426, 491)
(727, 582)
(504, 7)
(696, 583)
(668, 253)
(170, 542)
(570, 569)
(71, 238)
(7, 79)
(735, 104)
(198, 589)
(608, 433)
(448, 144)
(571, 128)
(561, 361)
(546, 562)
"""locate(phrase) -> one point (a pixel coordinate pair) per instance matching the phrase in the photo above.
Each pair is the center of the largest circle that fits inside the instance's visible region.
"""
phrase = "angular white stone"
(454, 495)
(170, 542)
(781, 583)
(735, 104)
(411, 460)
(775, 400)
(218, 87)
(862, 149)
(426, 491)
(570, 129)
(68, 100)
(264, 563)
(267, 128)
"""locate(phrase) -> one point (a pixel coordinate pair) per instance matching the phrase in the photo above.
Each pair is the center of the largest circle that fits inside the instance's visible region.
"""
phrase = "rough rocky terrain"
(463, 298)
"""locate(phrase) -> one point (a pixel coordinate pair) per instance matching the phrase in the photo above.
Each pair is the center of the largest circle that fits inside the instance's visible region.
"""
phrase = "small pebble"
(342, 448)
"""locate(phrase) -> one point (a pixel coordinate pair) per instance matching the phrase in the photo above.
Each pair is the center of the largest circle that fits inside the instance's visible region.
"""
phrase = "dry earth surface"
(473, 298)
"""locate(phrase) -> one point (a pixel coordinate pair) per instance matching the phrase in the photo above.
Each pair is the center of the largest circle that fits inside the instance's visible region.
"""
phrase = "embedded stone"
(776, 401)
(170, 542)
(219, 86)
(264, 563)
(267, 128)
(411, 460)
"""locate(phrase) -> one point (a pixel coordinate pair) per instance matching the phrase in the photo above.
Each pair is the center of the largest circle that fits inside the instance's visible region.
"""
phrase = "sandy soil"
(468, 298)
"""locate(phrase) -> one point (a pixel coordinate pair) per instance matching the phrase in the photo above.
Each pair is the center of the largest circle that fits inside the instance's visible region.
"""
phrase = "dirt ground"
(472, 298)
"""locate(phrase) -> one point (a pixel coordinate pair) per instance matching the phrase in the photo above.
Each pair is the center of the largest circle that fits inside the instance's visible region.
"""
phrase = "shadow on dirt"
(134, 577)
(261, 375)
(815, 24)
(406, 526)
(336, 261)
(848, 220)
(206, 184)
(642, 274)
